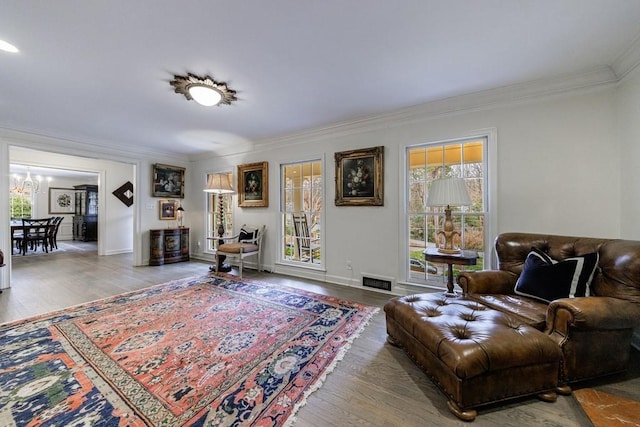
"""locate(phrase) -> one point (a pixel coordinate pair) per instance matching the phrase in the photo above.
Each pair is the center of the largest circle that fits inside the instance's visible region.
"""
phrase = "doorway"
(115, 221)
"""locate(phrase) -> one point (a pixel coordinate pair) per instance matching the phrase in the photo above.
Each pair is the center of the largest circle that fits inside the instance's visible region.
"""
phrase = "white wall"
(628, 114)
(558, 172)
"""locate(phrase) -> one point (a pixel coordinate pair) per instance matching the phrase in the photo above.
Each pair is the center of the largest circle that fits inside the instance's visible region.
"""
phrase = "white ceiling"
(99, 71)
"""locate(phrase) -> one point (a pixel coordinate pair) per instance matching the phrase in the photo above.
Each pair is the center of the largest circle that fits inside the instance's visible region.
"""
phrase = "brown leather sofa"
(594, 332)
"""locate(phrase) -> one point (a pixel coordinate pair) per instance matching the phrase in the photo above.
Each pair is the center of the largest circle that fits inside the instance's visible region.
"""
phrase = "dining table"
(16, 226)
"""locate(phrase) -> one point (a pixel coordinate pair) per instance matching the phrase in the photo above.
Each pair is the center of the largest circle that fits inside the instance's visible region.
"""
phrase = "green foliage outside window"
(20, 207)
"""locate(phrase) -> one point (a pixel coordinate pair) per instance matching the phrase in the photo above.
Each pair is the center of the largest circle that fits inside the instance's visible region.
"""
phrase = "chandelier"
(28, 184)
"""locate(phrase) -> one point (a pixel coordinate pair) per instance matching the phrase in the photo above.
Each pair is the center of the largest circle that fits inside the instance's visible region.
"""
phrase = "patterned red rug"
(199, 351)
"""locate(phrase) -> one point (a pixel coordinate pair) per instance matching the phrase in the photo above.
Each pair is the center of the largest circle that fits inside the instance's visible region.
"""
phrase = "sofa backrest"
(618, 273)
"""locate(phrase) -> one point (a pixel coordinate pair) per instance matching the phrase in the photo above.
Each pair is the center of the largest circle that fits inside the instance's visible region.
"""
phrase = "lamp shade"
(219, 183)
(448, 192)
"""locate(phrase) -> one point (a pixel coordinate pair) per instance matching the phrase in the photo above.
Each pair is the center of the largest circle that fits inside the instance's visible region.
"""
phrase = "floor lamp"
(448, 192)
(219, 184)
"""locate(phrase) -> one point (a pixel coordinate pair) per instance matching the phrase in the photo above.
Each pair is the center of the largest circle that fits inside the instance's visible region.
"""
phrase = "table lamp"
(448, 192)
(180, 215)
(219, 184)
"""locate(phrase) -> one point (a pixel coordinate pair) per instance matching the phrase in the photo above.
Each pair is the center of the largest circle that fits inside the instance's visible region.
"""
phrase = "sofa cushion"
(547, 279)
(529, 310)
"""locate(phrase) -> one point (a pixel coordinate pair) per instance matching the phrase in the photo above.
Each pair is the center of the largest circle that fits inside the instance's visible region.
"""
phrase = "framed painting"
(61, 200)
(167, 181)
(168, 209)
(360, 177)
(253, 185)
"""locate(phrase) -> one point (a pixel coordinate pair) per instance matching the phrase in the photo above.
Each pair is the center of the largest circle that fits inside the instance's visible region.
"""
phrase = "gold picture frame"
(167, 181)
(168, 209)
(360, 177)
(253, 185)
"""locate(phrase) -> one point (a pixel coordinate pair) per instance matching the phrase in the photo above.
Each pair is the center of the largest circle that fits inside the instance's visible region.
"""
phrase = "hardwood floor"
(374, 385)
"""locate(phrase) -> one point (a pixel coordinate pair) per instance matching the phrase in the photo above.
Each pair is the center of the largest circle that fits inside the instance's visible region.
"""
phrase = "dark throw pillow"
(546, 279)
(247, 235)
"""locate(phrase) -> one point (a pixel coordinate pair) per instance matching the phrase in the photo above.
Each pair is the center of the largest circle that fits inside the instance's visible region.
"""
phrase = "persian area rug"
(201, 351)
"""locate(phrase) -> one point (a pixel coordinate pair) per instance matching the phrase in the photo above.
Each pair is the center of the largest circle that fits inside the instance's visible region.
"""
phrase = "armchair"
(594, 331)
(245, 244)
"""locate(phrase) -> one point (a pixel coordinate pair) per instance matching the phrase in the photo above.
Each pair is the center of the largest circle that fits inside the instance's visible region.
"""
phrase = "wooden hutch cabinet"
(169, 245)
(85, 216)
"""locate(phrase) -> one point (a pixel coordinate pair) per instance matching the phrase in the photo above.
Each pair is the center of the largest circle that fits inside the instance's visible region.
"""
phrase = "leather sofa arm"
(591, 313)
(487, 282)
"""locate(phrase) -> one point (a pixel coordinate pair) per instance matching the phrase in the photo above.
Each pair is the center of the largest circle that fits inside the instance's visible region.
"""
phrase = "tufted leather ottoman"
(474, 354)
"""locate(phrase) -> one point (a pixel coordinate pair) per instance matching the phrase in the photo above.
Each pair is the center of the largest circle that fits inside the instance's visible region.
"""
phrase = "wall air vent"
(378, 282)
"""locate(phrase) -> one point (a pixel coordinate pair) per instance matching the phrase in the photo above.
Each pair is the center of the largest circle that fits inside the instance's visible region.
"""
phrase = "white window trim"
(491, 221)
(280, 246)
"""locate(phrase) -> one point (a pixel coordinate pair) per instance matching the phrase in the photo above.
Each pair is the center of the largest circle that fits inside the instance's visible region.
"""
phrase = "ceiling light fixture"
(204, 90)
(28, 183)
(8, 47)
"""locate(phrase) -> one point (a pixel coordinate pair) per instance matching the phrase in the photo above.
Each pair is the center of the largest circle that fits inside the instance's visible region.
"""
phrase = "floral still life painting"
(198, 351)
(360, 177)
(253, 185)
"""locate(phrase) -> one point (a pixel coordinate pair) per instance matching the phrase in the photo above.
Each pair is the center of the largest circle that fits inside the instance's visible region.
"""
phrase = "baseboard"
(301, 272)
(119, 251)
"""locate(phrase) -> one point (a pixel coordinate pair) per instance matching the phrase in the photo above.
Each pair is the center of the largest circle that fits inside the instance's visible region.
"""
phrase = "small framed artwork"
(61, 200)
(168, 209)
(360, 177)
(253, 185)
(167, 181)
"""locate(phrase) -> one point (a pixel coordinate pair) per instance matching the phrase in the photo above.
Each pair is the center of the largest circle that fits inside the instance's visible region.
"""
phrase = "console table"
(168, 245)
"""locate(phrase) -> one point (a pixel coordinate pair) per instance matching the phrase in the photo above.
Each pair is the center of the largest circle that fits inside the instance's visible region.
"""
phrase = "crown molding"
(86, 148)
(628, 60)
(502, 96)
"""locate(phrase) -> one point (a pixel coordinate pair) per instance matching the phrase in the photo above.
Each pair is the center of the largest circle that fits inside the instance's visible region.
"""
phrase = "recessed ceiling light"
(8, 47)
(204, 90)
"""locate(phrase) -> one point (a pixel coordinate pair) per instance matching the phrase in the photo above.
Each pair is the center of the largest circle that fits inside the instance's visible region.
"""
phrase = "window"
(301, 211)
(216, 202)
(21, 202)
(462, 158)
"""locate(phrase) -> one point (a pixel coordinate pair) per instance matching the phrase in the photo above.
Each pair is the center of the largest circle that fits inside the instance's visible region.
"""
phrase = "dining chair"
(53, 232)
(35, 232)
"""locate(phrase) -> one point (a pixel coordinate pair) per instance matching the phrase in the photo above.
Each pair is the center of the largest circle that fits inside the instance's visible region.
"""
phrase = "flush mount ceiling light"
(8, 47)
(204, 90)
